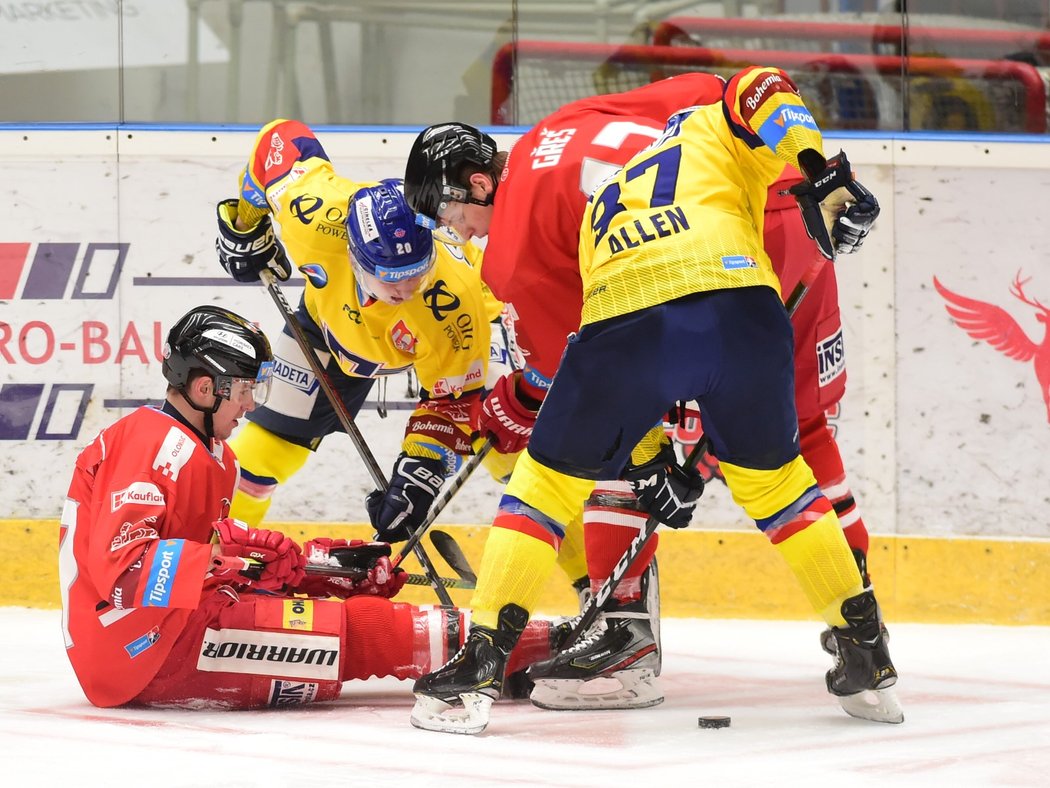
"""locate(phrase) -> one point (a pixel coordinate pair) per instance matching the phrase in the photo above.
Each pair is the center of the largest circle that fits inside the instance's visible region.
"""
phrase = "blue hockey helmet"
(385, 238)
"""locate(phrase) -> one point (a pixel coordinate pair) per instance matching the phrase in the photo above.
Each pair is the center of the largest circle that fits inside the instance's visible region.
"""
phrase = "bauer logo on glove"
(245, 254)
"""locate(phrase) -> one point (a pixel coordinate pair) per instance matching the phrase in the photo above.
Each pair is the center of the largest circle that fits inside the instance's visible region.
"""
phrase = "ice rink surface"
(976, 701)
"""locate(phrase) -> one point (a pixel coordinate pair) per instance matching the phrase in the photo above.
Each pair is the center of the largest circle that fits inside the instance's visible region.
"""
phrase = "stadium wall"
(108, 237)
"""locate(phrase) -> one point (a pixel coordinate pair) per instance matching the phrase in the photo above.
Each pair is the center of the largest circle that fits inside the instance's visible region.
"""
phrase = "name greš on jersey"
(662, 224)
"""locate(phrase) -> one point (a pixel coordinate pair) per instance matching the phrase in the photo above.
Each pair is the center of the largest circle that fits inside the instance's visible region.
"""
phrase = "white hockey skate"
(434, 714)
(879, 705)
(614, 665)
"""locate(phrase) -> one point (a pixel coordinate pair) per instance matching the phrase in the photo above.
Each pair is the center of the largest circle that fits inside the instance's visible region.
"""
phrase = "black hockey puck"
(713, 722)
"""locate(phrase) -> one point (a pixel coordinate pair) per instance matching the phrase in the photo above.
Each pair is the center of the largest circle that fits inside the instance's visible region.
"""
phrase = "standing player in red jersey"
(157, 605)
(529, 203)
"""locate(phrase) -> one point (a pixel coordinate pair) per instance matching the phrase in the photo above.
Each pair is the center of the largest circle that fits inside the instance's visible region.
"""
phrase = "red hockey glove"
(281, 558)
(505, 417)
(378, 576)
(709, 469)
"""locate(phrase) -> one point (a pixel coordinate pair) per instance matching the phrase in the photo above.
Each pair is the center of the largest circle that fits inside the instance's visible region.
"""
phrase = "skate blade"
(624, 689)
(433, 714)
(875, 705)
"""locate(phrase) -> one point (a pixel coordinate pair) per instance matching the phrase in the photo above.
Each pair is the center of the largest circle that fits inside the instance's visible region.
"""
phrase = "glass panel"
(968, 65)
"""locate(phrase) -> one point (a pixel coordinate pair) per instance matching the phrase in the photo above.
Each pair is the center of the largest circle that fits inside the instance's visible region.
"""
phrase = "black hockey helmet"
(434, 164)
(225, 346)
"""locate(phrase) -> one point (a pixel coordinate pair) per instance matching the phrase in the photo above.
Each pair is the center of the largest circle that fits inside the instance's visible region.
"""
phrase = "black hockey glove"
(414, 485)
(810, 193)
(665, 489)
(246, 254)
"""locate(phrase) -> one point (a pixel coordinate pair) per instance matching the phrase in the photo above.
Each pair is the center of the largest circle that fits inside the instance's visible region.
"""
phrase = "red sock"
(611, 521)
(821, 453)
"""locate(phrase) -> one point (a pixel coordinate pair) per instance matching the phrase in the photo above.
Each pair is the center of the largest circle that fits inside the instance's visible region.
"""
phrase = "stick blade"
(449, 549)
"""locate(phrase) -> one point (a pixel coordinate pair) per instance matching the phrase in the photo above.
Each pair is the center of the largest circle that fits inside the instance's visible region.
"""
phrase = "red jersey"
(135, 548)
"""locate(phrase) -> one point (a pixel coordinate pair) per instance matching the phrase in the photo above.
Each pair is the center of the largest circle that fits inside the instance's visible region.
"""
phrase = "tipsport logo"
(994, 325)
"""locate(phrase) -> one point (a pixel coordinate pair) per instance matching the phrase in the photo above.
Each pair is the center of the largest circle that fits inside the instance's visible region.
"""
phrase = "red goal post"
(530, 79)
(876, 39)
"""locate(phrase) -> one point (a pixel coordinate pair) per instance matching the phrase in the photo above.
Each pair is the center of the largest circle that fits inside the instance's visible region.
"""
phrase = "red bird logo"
(996, 327)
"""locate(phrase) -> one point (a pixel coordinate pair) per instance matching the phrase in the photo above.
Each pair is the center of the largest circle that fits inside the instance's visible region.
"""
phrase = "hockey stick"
(413, 579)
(325, 382)
(597, 603)
(347, 422)
(447, 547)
(450, 550)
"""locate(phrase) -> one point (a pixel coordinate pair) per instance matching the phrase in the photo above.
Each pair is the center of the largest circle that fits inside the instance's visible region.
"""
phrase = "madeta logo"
(998, 328)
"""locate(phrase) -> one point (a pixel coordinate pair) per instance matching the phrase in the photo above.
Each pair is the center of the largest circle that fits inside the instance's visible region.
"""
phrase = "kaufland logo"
(140, 492)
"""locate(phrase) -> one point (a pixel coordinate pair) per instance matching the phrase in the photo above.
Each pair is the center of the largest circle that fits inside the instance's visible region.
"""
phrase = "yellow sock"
(787, 505)
(571, 557)
(531, 561)
(266, 461)
(821, 559)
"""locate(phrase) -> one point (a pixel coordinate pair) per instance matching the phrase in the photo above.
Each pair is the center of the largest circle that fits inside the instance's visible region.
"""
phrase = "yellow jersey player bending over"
(680, 302)
(382, 295)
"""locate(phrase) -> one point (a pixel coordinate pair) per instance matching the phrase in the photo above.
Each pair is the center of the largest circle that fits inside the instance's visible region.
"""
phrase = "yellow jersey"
(443, 332)
(685, 215)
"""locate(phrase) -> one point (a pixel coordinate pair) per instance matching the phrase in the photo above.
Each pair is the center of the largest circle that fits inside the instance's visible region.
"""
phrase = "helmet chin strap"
(209, 412)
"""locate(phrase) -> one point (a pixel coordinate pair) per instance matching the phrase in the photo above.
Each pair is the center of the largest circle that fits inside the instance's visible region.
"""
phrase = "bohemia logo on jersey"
(996, 327)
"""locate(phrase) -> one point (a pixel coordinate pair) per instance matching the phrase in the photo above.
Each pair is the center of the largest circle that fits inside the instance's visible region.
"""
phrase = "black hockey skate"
(613, 665)
(518, 685)
(457, 697)
(863, 675)
(827, 639)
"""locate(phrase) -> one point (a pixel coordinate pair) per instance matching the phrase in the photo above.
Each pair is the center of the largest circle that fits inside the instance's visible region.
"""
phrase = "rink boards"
(703, 574)
(108, 236)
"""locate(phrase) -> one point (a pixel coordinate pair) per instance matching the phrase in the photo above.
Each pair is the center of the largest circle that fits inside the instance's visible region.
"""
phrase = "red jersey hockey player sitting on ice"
(156, 606)
(528, 203)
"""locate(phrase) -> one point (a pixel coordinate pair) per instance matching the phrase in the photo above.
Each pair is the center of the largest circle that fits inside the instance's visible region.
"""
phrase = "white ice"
(976, 701)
